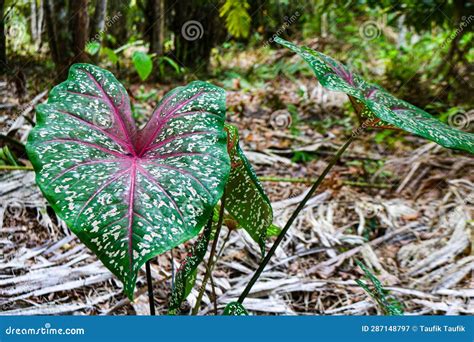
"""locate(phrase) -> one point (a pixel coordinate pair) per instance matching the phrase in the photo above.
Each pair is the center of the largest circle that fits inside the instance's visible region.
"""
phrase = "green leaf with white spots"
(377, 106)
(246, 200)
(379, 294)
(130, 194)
(186, 276)
(235, 309)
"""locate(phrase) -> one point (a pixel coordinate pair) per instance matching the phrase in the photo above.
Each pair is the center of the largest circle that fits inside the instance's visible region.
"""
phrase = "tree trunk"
(118, 30)
(98, 21)
(197, 28)
(34, 25)
(79, 29)
(36, 22)
(57, 57)
(3, 45)
(155, 25)
(162, 30)
(39, 23)
(67, 34)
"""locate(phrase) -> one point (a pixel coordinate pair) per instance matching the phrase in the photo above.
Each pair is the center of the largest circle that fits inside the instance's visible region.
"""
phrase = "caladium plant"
(130, 194)
(376, 106)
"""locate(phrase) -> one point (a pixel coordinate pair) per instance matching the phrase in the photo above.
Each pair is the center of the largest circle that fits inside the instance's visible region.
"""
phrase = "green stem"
(312, 180)
(150, 289)
(214, 296)
(210, 262)
(13, 167)
(300, 207)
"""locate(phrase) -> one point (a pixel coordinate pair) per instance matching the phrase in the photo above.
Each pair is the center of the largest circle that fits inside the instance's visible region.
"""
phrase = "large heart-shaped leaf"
(372, 101)
(129, 194)
(246, 200)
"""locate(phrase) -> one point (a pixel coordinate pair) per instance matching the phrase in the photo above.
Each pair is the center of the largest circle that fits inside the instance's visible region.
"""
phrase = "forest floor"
(402, 206)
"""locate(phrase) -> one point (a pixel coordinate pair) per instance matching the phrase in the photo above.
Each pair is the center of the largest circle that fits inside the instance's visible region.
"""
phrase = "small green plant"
(389, 306)
(142, 62)
(7, 157)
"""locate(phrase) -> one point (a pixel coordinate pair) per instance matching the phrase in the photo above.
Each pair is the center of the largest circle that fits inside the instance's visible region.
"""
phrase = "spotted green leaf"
(235, 309)
(129, 194)
(186, 274)
(389, 306)
(246, 200)
(379, 107)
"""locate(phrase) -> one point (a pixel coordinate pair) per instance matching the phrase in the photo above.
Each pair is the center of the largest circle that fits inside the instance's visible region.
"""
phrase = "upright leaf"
(129, 195)
(246, 200)
(373, 102)
(143, 64)
(186, 275)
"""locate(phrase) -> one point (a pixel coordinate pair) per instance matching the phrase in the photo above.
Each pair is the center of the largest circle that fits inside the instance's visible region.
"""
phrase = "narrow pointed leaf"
(246, 200)
(372, 101)
(186, 275)
(235, 309)
(129, 194)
